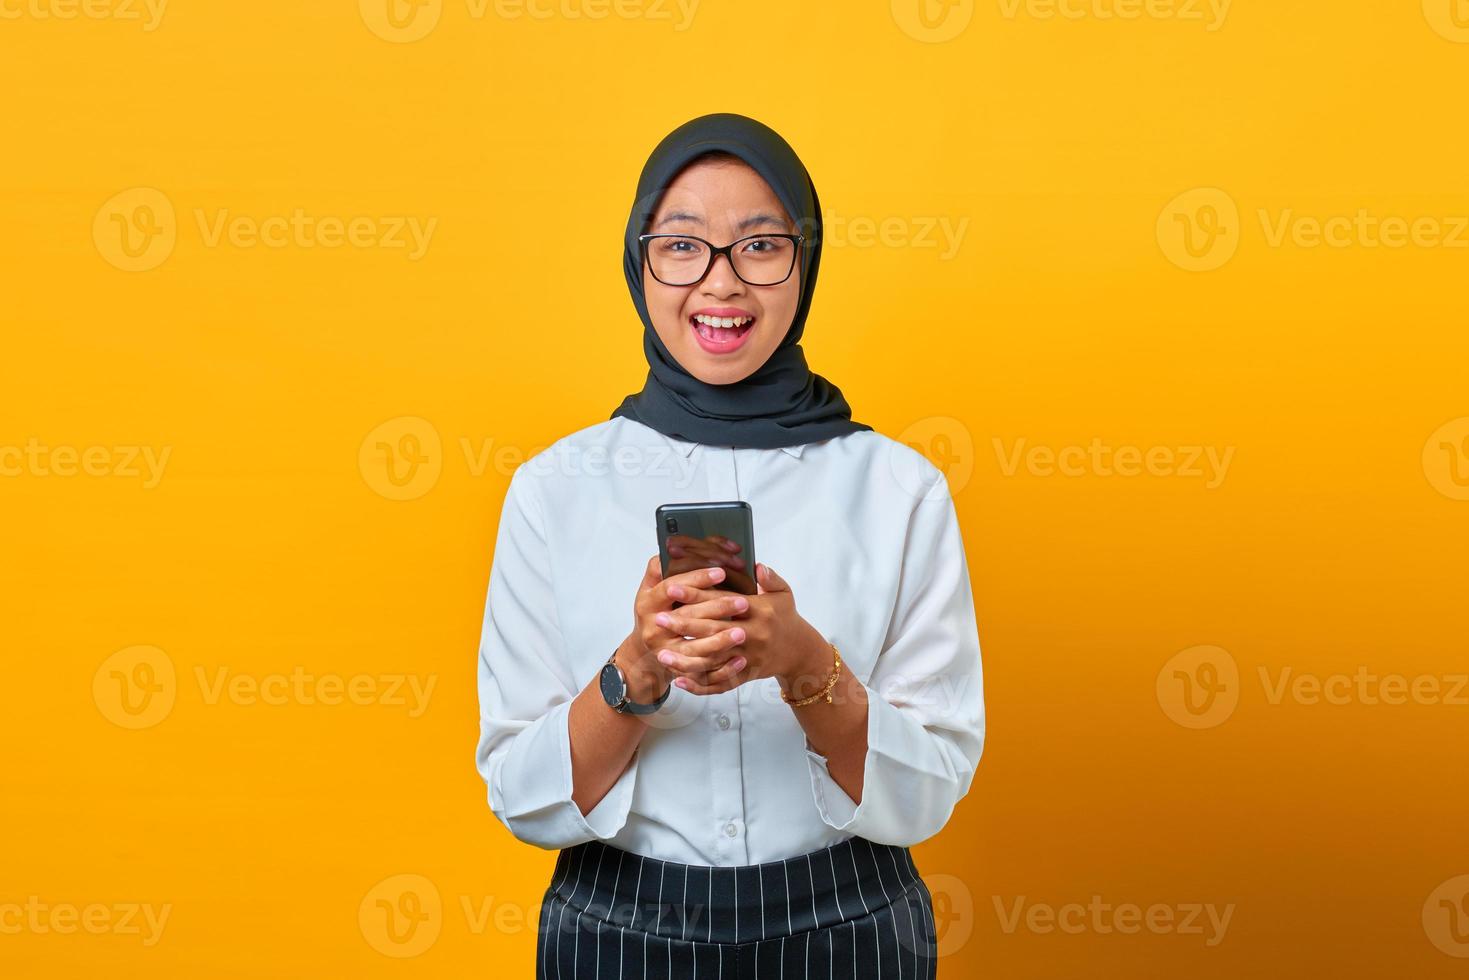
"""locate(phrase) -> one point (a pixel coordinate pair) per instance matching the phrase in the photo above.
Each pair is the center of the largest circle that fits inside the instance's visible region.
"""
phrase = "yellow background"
(1335, 540)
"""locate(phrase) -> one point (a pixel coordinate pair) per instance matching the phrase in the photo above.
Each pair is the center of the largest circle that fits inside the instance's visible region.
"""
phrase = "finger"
(769, 580)
(682, 626)
(726, 677)
(702, 654)
(689, 596)
(652, 573)
(680, 587)
(716, 607)
(718, 667)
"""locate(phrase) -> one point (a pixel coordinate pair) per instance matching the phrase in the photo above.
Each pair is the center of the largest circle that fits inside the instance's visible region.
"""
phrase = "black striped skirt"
(854, 909)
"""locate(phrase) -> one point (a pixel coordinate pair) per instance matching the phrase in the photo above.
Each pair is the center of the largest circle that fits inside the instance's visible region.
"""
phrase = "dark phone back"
(703, 535)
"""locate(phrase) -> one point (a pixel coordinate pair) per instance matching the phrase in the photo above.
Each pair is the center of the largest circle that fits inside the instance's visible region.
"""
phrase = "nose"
(721, 280)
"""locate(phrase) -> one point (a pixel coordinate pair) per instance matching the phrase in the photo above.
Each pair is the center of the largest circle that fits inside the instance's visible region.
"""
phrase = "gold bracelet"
(836, 671)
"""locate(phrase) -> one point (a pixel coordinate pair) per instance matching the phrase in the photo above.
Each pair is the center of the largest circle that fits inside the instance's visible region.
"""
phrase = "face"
(721, 201)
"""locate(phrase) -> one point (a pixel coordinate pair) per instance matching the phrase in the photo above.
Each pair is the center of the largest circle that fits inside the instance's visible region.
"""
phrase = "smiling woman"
(720, 198)
(747, 237)
(737, 786)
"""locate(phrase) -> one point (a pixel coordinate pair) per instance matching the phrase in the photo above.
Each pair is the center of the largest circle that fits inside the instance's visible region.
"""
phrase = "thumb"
(768, 580)
(652, 573)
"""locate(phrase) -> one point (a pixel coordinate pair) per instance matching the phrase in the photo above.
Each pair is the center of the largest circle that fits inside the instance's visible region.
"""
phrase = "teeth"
(723, 322)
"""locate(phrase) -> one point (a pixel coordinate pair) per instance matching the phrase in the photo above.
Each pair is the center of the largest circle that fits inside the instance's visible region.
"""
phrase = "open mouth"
(721, 334)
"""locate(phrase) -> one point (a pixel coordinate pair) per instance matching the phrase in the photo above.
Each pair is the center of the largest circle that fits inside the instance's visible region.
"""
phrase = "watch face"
(613, 689)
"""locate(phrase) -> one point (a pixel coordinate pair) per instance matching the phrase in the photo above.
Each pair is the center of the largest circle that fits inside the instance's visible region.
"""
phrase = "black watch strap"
(636, 708)
(625, 704)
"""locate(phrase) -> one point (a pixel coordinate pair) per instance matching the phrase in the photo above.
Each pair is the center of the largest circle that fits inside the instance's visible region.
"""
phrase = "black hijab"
(782, 403)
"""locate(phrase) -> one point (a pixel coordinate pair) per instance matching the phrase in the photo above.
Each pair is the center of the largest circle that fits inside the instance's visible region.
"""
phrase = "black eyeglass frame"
(727, 252)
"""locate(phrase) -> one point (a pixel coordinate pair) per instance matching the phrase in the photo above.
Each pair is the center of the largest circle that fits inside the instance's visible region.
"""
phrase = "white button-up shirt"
(864, 530)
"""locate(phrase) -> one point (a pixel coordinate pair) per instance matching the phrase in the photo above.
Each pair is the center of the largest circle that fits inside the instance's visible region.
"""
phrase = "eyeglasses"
(682, 260)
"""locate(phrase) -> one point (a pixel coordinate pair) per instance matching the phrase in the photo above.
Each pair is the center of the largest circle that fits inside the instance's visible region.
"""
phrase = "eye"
(766, 246)
(679, 246)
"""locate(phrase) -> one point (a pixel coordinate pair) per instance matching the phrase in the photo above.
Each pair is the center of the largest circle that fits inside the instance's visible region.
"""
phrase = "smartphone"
(706, 535)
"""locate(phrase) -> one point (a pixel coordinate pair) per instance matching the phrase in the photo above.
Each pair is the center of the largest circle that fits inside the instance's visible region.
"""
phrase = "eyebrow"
(763, 218)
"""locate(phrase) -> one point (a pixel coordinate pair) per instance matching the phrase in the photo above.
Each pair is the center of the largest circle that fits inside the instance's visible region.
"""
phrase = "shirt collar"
(684, 448)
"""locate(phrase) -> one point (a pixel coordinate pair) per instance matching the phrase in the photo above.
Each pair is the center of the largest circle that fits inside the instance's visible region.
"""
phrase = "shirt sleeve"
(925, 699)
(526, 690)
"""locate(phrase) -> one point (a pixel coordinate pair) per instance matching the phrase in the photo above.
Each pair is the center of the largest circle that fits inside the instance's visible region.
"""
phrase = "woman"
(739, 800)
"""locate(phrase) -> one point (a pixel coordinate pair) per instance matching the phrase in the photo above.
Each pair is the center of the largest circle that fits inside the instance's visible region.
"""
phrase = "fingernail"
(741, 604)
(665, 658)
(737, 634)
(738, 663)
(662, 619)
(683, 684)
(675, 591)
(715, 574)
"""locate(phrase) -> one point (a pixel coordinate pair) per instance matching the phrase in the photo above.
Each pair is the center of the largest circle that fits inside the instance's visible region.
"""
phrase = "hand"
(774, 638)
(686, 553)
(655, 598)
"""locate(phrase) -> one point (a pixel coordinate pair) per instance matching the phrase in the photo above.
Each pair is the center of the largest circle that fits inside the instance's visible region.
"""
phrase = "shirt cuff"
(610, 814)
(540, 810)
(837, 809)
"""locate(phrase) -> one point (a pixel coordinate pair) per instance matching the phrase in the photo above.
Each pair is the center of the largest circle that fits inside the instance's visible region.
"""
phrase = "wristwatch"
(614, 691)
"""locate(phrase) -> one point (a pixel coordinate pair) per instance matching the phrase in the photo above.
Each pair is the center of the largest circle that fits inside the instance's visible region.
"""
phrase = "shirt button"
(730, 830)
(724, 721)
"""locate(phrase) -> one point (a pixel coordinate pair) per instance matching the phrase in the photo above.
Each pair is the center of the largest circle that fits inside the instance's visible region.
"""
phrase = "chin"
(724, 375)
